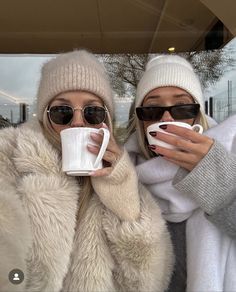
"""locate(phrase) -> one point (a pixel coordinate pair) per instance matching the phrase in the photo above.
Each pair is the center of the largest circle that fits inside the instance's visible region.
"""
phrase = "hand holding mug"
(186, 146)
(111, 155)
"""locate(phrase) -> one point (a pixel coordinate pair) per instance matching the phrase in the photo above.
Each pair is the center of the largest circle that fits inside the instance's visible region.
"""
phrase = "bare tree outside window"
(125, 70)
(211, 65)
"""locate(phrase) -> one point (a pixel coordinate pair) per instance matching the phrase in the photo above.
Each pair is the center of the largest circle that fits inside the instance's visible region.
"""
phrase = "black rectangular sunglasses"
(178, 112)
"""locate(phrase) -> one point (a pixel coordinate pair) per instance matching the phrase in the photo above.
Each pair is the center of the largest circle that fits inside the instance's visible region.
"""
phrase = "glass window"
(19, 77)
(221, 94)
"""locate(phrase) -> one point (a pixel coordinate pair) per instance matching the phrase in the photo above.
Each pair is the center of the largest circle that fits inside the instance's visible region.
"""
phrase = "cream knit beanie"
(77, 70)
(169, 70)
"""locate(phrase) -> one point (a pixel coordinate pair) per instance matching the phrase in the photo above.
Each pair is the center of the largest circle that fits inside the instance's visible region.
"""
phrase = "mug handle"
(106, 137)
(197, 128)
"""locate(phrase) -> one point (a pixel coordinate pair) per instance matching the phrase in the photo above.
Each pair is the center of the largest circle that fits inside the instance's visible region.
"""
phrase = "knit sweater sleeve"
(212, 183)
(119, 191)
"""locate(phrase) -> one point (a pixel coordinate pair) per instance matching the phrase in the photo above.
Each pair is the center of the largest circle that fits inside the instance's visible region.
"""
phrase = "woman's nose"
(167, 117)
(77, 120)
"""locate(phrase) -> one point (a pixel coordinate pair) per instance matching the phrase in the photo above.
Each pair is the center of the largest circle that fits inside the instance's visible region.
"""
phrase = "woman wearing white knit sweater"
(99, 233)
(194, 184)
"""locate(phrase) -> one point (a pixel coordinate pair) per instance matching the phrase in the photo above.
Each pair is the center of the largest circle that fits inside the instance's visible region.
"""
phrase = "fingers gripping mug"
(77, 160)
(156, 128)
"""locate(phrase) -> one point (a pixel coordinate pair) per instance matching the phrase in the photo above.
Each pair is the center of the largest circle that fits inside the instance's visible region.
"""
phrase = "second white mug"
(156, 128)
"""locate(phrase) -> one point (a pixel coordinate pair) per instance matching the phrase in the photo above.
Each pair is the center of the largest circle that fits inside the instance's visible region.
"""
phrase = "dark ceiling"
(113, 26)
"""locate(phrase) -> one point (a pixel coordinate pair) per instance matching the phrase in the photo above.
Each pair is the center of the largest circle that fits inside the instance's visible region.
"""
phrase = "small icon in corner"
(16, 276)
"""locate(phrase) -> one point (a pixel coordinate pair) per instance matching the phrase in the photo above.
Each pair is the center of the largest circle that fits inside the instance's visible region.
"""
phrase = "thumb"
(104, 126)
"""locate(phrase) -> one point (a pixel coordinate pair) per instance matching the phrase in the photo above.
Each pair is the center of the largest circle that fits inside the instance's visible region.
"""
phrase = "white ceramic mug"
(156, 128)
(77, 160)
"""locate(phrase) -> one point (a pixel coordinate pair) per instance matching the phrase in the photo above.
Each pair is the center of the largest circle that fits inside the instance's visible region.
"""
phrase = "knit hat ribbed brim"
(77, 70)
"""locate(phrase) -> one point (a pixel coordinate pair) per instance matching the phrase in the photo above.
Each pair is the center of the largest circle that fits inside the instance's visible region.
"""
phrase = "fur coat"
(108, 250)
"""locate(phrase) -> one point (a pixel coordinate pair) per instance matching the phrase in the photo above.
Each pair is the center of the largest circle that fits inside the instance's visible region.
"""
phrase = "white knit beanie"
(169, 70)
(77, 70)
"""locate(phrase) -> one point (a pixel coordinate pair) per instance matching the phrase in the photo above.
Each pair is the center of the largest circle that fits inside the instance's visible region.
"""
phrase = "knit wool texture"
(77, 70)
(169, 70)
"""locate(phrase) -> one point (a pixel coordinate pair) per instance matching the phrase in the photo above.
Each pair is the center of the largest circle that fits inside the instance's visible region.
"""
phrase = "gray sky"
(19, 75)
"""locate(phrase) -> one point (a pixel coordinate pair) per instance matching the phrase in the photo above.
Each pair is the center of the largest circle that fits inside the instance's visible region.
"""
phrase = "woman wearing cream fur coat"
(99, 233)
